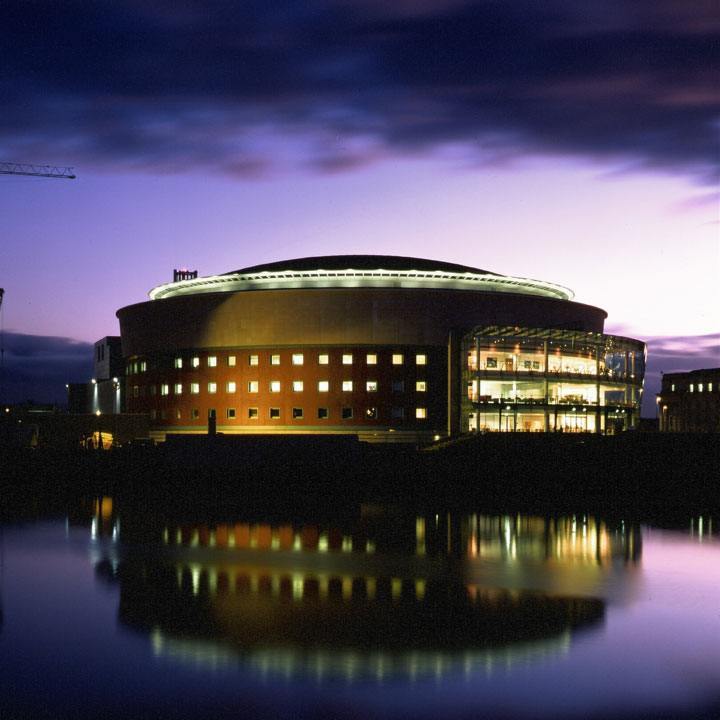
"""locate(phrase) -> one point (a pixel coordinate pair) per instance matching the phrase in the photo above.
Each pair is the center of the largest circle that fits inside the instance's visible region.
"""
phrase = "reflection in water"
(378, 596)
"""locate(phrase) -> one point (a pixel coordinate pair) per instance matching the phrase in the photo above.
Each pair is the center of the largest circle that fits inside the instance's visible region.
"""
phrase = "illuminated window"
(194, 414)
(347, 413)
(298, 359)
(421, 359)
(297, 413)
(232, 360)
(371, 386)
(254, 360)
(323, 386)
(178, 363)
(274, 413)
(274, 386)
(421, 413)
(397, 413)
(420, 386)
(252, 413)
(323, 359)
(231, 387)
(253, 386)
(398, 359)
(398, 386)
(212, 360)
(212, 387)
(371, 413)
(195, 362)
(274, 359)
(230, 413)
(178, 388)
(323, 414)
(165, 389)
(347, 385)
(194, 388)
(178, 414)
(672, 388)
(298, 385)
(692, 387)
(700, 387)
(347, 359)
(136, 391)
(371, 359)
(709, 387)
(143, 366)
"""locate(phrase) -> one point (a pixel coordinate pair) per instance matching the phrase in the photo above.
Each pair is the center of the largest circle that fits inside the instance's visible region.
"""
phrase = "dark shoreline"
(639, 476)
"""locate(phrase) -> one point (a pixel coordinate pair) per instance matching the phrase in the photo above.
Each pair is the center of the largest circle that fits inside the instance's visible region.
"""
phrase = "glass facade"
(519, 379)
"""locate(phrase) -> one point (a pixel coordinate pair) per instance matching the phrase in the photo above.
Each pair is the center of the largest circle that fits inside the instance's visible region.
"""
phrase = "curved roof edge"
(361, 271)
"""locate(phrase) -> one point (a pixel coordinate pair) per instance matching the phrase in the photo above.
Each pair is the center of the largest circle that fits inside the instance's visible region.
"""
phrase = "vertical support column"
(454, 378)
(597, 389)
(545, 376)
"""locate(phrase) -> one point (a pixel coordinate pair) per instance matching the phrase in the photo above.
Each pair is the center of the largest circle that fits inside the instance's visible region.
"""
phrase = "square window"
(178, 388)
(194, 388)
(232, 360)
(212, 387)
(252, 413)
(231, 387)
(298, 385)
(323, 414)
(254, 360)
(194, 414)
(165, 389)
(347, 385)
(421, 359)
(398, 386)
(398, 413)
(212, 360)
(230, 413)
(371, 386)
(347, 359)
(274, 386)
(195, 362)
(371, 413)
(274, 413)
(298, 359)
(347, 413)
(398, 359)
(323, 386)
(371, 359)
(421, 386)
(323, 359)
(178, 363)
(253, 386)
(297, 413)
(421, 413)
(274, 359)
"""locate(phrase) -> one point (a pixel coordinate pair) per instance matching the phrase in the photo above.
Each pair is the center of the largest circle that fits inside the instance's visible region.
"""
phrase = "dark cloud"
(179, 85)
(677, 354)
(37, 367)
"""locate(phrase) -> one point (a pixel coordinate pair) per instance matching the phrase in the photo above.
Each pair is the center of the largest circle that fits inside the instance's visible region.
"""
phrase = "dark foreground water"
(110, 613)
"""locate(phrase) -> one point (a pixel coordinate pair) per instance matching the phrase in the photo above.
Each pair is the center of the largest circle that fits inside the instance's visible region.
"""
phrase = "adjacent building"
(387, 348)
(690, 401)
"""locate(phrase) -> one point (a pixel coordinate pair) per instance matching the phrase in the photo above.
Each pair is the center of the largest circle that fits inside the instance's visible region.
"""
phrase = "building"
(104, 393)
(387, 348)
(690, 401)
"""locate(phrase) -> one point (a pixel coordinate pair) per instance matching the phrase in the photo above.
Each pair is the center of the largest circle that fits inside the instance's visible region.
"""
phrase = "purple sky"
(570, 142)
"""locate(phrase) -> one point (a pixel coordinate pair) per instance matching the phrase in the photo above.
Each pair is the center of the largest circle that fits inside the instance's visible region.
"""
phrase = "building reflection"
(376, 596)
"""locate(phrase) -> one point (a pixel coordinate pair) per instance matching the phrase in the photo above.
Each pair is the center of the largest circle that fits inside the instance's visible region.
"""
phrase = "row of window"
(140, 366)
(297, 413)
(275, 386)
(699, 387)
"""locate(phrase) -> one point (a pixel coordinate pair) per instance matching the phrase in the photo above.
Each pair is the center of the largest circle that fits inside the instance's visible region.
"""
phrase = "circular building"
(388, 348)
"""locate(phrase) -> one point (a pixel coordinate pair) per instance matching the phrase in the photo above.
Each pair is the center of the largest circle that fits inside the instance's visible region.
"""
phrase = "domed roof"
(361, 272)
(361, 262)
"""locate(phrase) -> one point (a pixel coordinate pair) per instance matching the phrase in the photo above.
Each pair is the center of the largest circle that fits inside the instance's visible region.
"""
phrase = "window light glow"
(323, 386)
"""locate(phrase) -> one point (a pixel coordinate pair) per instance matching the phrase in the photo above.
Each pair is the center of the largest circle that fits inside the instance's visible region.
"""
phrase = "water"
(117, 613)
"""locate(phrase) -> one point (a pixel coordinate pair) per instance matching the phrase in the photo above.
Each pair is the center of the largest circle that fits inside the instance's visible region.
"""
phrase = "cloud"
(38, 366)
(179, 86)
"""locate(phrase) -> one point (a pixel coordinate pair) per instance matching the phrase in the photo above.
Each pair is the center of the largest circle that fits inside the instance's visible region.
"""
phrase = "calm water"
(107, 613)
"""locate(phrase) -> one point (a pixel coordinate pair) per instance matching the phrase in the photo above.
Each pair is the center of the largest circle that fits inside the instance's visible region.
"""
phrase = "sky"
(570, 142)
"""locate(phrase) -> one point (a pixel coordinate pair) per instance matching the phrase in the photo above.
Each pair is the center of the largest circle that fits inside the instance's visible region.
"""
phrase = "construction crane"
(50, 171)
